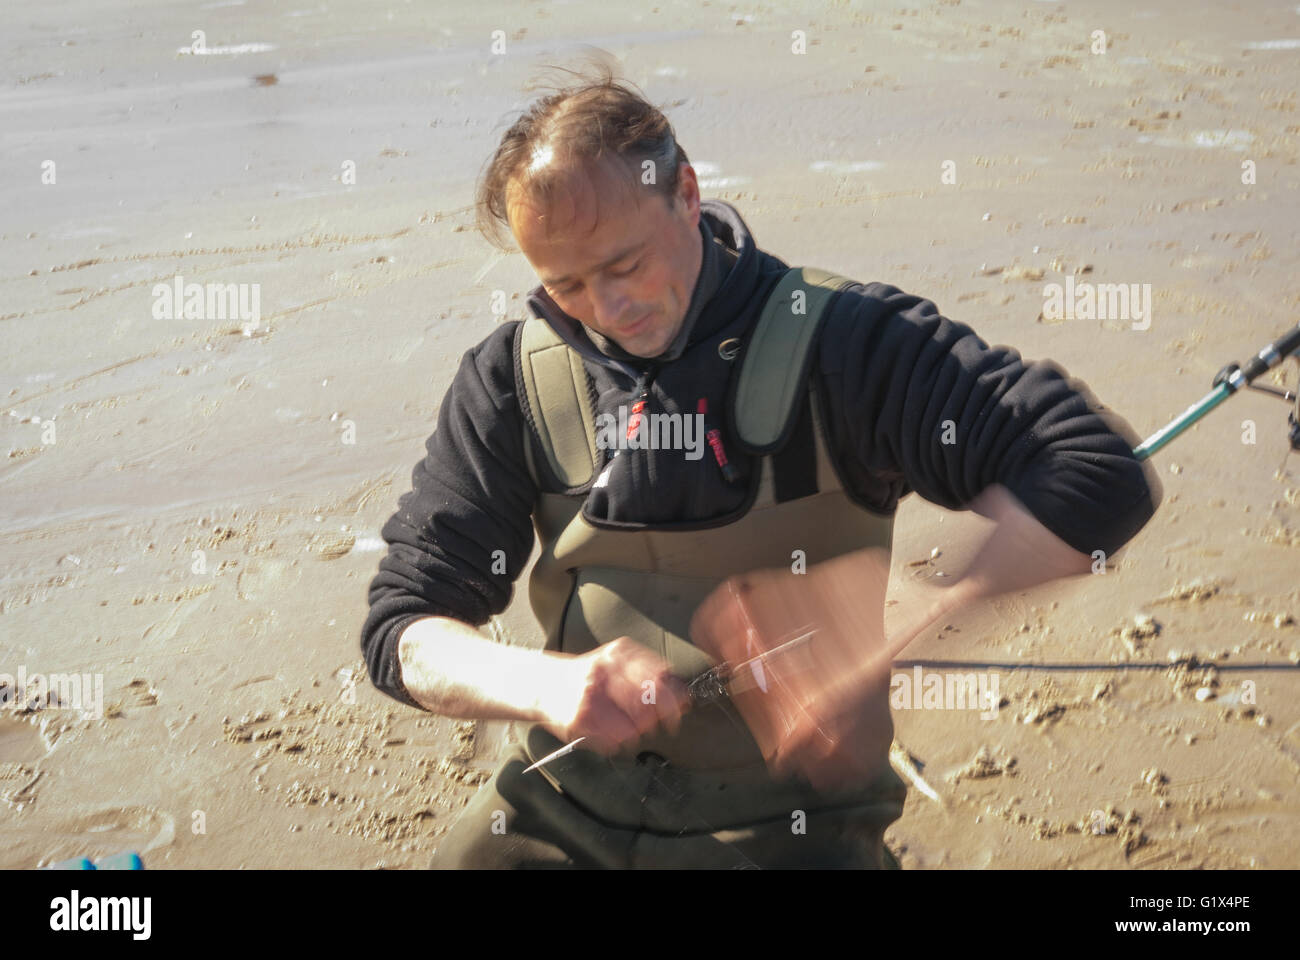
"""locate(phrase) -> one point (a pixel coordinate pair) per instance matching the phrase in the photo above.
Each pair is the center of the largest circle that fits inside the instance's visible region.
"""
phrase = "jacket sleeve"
(470, 496)
(918, 402)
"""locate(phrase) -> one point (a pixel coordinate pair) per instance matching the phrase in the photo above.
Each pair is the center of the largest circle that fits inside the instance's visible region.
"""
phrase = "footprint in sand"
(331, 546)
(265, 579)
(137, 693)
(18, 784)
(104, 833)
(23, 744)
(20, 739)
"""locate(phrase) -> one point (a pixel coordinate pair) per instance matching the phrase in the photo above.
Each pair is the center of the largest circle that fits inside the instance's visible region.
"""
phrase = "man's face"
(620, 260)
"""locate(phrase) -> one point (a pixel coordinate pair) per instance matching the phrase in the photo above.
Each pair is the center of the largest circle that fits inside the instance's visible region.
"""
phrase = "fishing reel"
(1228, 381)
(1288, 396)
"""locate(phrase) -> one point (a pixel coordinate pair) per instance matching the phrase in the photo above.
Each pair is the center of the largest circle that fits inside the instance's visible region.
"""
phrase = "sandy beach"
(190, 504)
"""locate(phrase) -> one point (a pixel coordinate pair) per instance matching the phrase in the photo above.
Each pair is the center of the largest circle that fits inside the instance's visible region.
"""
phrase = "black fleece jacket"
(891, 371)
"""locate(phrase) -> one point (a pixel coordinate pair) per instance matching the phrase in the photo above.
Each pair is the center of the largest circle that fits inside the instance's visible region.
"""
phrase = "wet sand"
(196, 528)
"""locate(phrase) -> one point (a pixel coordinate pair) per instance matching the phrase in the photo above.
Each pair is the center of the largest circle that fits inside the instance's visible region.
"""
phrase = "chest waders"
(703, 797)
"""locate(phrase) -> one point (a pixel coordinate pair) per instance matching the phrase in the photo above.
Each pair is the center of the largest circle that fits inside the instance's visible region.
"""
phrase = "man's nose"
(609, 302)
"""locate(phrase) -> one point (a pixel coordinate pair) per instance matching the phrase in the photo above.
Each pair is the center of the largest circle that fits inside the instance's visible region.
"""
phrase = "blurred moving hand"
(820, 710)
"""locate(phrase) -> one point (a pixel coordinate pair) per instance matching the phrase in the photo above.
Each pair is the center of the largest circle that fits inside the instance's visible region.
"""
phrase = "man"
(657, 563)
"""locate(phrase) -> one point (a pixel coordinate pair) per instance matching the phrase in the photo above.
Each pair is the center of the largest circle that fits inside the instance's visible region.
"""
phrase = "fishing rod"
(1228, 381)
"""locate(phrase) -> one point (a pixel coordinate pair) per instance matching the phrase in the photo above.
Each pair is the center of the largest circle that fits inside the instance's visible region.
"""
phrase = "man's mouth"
(637, 326)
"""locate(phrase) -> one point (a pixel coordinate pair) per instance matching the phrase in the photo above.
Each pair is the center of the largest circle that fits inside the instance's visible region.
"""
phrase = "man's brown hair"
(597, 117)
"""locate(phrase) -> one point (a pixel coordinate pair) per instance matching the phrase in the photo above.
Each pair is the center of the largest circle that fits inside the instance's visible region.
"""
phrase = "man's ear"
(688, 191)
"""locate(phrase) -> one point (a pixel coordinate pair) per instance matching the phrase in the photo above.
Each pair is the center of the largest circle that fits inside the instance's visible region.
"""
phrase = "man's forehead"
(585, 220)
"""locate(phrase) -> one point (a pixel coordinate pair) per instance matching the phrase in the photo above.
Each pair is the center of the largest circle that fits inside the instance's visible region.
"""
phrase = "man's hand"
(824, 714)
(614, 696)
(839, 740)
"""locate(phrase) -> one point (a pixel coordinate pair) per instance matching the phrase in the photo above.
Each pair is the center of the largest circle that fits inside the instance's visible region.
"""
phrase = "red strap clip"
(634, 421)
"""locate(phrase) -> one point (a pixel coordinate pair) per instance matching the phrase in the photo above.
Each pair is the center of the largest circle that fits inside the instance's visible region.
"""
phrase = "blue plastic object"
(127, 860)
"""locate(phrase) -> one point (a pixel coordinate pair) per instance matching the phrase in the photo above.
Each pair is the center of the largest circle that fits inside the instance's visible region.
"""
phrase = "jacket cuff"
(385, 667)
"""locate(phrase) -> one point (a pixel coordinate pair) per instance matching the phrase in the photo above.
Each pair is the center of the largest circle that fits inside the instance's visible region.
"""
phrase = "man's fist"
(613, 695)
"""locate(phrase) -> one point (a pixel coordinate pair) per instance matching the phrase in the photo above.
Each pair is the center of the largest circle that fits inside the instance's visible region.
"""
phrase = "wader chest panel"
(592, 584)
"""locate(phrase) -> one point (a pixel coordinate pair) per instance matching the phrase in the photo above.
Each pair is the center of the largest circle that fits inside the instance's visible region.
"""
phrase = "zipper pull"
(714, 436)
(634, 421)
(639, 405)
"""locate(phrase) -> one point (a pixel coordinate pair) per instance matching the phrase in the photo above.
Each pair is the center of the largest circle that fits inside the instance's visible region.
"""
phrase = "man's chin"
(644, 348)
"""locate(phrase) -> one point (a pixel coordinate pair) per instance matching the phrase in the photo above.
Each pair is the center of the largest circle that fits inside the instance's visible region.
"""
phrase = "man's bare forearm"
(1019, 554)
(453, 670)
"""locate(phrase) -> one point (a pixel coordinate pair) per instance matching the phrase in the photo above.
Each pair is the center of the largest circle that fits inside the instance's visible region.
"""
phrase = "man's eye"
(574, 288)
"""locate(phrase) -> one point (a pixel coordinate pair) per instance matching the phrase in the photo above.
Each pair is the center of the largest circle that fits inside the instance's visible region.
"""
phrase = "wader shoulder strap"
(778, 355)
(557, 402)
(776, 411)
(773, 377)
